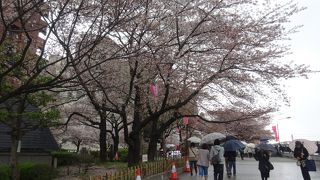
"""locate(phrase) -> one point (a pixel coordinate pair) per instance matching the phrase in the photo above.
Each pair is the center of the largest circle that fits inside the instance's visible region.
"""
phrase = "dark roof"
(39, 140)
(13, 105)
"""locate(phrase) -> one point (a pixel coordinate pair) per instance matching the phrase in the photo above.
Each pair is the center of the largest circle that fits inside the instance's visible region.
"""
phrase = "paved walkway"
(247, 169)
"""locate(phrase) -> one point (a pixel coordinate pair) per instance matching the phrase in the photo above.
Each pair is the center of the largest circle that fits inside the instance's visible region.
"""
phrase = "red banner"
(276, 135)
(186, 120)
(154, 89)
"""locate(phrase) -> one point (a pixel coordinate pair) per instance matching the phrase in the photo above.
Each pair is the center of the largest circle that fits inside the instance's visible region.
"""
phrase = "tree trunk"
(163, 145)
(103, 139)
(134, 140)
(114, 148)
(78, 143)
(116, 143)
(14, 157)
(134, 150)
(152, 148)
(154, 136)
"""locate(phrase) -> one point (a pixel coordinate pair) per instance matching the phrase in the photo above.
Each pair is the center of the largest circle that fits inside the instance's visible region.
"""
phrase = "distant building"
(15, 30)
(35, 146)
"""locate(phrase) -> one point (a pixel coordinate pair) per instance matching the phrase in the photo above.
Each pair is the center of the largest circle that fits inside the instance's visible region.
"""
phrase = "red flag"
(154, 89)
(274, 129)
(185, 120)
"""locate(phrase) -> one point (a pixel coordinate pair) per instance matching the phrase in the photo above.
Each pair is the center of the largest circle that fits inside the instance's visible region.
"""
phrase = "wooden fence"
(146, 169)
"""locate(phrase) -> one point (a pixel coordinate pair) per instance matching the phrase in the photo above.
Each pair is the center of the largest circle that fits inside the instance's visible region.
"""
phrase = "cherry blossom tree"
(213, 54)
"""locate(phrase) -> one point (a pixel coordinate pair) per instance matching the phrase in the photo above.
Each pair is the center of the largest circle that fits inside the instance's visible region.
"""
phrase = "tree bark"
(77, 143)
(134, 150)
(115, 138)
(163, 145)
(116, 142)
(134, 140)
(103, 139)
(14, 157)
(152, 148)
(154, 136)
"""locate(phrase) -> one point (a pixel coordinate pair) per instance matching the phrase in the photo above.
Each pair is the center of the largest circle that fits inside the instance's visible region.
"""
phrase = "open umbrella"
(264, 139)
(209, 138)
(266, 147)
(251, 145)
(309, 145)
(233, 145)
(245, 143)
(170, 145)
(194, 139)
(230, 137)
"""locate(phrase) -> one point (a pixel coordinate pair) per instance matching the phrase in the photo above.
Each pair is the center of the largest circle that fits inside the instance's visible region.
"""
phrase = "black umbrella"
(233, 145)
(230, 137)
(266, 147)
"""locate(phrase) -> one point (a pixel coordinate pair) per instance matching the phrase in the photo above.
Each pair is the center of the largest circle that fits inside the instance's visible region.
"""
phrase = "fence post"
(132, 174)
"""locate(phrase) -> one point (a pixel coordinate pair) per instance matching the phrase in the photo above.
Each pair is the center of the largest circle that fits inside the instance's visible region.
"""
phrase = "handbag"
(270, 165)
(310, 165)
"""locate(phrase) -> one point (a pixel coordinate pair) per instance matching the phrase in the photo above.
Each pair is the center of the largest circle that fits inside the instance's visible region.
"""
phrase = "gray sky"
(304, 94)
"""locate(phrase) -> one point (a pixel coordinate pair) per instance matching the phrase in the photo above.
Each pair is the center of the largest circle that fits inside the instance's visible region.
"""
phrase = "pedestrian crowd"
(200, 160)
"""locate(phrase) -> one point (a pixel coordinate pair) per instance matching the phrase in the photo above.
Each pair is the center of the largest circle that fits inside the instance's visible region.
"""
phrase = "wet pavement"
(247, 169)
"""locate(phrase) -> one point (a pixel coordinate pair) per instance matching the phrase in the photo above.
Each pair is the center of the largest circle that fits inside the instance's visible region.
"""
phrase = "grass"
(114, 165)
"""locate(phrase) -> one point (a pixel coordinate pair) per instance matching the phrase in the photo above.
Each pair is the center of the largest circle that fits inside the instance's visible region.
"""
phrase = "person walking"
(301, 154)
(216, 156)
(241, 151)
(230, 157)
(249, 151)
(193, 151)
(203, 161)
(264, 164)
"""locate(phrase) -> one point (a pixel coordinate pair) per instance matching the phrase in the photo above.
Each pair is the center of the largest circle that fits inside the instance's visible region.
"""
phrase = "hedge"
(30, 171)
(123, 154)
(4, 172)
(69, 158)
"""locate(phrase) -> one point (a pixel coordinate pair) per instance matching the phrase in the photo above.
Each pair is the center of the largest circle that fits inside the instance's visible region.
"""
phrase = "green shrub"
(123, 154)
(32, 171)
(4, 173)
(65, 158)
(68, 158)
(95, 154)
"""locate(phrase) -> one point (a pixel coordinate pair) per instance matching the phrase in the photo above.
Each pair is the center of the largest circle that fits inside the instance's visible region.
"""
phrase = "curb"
(164, 175)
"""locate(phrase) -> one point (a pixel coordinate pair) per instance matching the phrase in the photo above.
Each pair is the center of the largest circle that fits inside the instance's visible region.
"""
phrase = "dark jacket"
(301, 152)
(264, 163)
(230, 155)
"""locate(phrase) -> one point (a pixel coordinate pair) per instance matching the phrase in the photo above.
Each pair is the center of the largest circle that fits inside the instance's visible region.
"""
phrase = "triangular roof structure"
(35, 140)
(39, 140)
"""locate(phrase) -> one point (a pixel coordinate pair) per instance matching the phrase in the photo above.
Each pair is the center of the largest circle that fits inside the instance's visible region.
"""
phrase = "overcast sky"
(304, 94)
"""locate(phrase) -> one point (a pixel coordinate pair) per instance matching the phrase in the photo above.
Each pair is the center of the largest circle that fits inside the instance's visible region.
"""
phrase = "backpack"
(216, 157)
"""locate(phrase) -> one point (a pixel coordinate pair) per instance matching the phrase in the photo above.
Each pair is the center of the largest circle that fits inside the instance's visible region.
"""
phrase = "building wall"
(15, 29)
(42, 158)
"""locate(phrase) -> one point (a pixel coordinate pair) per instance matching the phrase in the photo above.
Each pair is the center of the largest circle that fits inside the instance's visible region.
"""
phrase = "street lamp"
(278, 126)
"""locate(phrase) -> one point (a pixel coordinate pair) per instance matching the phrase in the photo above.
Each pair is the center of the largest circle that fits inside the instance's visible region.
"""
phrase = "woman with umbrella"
(203, 161)
(301, 154)
(262, 154)
(264, 166)
(193, 152)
